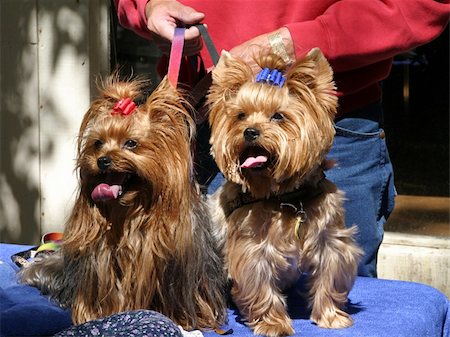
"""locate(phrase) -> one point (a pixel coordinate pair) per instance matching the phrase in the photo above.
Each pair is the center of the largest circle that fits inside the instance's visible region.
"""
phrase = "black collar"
(294, 199)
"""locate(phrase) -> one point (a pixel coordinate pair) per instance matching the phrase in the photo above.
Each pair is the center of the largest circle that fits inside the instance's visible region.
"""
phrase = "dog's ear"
(230, 73)
(165, 97)
(164, 89)
(313, 74)
(166, 103)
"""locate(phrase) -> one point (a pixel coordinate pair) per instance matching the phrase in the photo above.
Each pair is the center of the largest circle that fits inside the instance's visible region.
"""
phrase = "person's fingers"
(165, 30)
(164, 16)
(247, 53)
(187, 15)
(191, 33)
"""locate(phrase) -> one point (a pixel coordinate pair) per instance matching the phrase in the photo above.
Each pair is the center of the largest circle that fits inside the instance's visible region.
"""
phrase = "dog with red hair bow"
(139, 235)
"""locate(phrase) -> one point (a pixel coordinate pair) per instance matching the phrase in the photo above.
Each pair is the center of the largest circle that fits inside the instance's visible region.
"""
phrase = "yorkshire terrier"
(139, 235)
(277, 214)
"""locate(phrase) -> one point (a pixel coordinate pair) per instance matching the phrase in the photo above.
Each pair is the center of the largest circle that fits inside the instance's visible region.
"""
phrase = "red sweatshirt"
(359, 37)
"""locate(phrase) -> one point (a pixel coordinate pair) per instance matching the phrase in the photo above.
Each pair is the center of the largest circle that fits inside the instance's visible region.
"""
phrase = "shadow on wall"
(26, 102)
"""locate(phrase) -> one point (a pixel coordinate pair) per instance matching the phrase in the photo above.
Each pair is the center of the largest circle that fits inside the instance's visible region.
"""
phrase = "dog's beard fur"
(150, 247)
(292, 127)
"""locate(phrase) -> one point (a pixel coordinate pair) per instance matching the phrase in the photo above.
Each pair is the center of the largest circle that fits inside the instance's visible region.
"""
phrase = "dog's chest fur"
(265, 232)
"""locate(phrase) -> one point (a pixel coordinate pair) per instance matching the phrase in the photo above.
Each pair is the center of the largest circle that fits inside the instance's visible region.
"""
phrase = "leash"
(176, 52)
(199, 91)
(209, 43)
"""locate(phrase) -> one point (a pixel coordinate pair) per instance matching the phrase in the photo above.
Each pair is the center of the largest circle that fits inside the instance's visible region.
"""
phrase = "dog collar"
(293, 200)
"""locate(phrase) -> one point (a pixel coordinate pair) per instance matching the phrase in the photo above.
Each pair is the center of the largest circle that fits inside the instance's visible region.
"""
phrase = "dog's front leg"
(331, 257)
(254, 290)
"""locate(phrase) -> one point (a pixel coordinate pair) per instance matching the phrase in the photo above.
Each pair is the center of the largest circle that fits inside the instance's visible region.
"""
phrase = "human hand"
(163, 16)
(260, 45)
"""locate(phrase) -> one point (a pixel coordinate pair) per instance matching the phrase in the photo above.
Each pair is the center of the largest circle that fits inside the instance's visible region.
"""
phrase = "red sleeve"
(131, 15)
(355, 33)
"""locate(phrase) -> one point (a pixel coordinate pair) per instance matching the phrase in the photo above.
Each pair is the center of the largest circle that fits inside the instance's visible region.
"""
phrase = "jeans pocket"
(369, 131)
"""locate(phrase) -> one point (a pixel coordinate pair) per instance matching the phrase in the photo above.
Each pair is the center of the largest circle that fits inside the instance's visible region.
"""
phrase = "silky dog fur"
(292, 128)
(150, 247)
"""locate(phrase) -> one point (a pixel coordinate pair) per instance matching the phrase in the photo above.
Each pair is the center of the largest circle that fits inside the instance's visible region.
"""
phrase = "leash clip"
(301, 218)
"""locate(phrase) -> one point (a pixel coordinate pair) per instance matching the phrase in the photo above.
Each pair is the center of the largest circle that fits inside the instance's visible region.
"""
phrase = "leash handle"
(176, 51)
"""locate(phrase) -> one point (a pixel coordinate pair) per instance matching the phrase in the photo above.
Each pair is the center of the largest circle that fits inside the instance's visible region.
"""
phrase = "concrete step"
(416, 258)
(416, 245)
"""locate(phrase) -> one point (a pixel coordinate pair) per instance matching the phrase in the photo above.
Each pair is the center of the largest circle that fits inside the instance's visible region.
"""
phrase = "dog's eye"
(130, 144)
(98, 144)
(241, 115)
(277, 117)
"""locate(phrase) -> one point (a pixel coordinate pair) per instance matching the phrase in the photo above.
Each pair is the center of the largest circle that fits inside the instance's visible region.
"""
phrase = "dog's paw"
(334, 319)
(274, 328)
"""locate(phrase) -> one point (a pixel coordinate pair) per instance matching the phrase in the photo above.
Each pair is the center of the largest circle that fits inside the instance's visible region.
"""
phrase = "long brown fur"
(151, 248)
(263, 255)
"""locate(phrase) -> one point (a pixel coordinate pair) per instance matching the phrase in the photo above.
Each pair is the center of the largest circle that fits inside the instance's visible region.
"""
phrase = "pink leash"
(176, 53)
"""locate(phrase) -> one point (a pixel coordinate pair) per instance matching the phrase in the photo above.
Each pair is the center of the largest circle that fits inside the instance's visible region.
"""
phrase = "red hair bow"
(125, 107)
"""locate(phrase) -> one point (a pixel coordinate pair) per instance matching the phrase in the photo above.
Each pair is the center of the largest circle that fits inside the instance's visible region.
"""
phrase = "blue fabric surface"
(23, 310)
(378, 307)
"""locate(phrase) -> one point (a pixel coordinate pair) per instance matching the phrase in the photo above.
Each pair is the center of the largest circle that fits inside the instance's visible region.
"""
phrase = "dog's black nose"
(250, 134)
(104, 162)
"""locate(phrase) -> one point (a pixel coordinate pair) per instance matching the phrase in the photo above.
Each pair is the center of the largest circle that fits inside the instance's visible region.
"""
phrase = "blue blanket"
(378, 307)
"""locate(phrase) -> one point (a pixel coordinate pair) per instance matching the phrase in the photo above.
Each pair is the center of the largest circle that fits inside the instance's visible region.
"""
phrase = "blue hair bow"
(272, 77)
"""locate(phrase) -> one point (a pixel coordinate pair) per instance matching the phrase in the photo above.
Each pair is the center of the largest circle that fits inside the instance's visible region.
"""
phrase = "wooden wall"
(50, 53)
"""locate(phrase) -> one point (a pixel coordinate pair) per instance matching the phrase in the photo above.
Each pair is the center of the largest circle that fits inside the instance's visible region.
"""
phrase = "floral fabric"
(140, 323)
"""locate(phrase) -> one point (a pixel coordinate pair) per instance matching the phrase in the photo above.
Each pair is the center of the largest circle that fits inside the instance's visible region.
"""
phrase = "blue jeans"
(364, 172)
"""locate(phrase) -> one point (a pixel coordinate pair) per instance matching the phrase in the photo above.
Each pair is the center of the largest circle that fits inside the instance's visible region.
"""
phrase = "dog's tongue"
(251, 162)
(105, 192)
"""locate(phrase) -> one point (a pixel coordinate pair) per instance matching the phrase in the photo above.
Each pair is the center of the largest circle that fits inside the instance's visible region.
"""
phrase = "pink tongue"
(104, 192)
(252, 161)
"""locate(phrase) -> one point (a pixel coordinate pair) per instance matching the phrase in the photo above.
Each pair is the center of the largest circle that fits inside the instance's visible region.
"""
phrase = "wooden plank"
(50, 52)
(66, 50)
(64, 95)
(19, 123)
